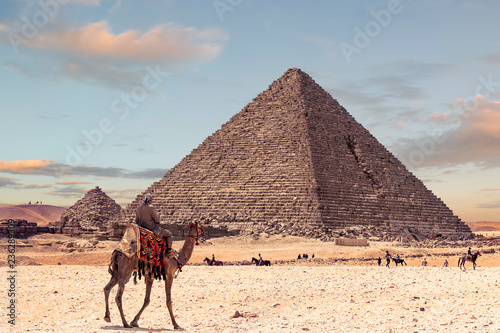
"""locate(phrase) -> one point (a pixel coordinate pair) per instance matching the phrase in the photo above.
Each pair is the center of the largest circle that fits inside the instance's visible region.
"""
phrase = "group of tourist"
(388, 258)
(304, 256)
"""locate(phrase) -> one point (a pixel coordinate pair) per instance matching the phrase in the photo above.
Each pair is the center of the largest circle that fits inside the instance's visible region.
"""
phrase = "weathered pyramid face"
(295, 156)
(91, 212)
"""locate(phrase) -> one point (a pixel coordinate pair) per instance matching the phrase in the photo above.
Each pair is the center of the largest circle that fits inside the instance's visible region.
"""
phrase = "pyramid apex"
(294, 70)
(293, 81)
(297, 72)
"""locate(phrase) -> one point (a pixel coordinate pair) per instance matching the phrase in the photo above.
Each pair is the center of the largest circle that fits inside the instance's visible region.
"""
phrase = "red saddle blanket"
(153, 247)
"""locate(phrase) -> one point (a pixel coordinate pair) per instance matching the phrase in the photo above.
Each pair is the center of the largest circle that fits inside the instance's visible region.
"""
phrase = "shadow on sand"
(137, 329)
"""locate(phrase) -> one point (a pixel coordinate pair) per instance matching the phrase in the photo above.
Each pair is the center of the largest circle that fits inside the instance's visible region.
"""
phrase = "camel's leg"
(118, 299)
(107, 290)
(149, 285)
(168, 292)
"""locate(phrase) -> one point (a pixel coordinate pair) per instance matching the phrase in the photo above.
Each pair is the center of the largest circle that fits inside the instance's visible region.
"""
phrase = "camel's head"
(199, 230)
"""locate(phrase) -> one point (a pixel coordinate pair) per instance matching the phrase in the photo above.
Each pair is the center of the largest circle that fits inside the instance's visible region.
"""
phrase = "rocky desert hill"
(41, 214)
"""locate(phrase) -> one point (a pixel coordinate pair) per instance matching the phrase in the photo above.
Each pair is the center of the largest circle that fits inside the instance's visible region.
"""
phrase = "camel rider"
(146, 217)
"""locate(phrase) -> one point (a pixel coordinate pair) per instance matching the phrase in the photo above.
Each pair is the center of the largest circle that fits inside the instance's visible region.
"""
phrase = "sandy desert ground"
(268, 299)
(341, 290)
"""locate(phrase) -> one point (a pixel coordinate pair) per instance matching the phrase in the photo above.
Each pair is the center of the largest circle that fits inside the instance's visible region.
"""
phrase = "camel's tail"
(113, 265)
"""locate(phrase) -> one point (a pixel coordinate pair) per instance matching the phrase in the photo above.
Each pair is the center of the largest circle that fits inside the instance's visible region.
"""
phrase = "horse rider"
(469, 254)
(260, 260)
(147, 218)
(213, 260)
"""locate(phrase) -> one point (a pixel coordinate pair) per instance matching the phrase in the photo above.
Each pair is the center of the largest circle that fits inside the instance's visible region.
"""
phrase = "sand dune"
(484, 226)
(41, 214)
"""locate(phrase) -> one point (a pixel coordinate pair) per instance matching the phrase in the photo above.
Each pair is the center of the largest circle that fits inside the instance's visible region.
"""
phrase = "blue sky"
(113, 93)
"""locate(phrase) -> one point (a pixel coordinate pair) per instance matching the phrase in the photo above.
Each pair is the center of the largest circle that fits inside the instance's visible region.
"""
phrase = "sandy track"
(271, 299)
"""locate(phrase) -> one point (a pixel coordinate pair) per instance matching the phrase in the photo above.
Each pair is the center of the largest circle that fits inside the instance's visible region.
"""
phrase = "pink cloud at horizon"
(23, 166)
(34, 186)
(73, 182)
(483, 120)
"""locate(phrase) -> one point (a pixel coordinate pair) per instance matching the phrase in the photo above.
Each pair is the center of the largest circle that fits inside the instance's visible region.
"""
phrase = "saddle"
(149, 248)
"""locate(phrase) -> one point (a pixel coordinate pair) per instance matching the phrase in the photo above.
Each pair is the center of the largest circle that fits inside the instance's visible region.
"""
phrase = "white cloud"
(438, 117)
(94, 54)
(399, 125)
(163, 43)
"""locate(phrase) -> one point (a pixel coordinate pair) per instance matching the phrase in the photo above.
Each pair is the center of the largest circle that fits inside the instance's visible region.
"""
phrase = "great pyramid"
(90, 214)
(295, 157)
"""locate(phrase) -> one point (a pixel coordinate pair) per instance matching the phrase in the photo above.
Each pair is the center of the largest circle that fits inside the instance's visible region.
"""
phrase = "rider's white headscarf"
(147, 197)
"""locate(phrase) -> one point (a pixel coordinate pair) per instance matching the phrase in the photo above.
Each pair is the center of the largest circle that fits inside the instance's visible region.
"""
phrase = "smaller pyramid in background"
(91, 213)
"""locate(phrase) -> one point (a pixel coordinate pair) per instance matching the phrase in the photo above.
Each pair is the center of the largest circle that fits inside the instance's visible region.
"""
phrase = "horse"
(263, 263)
(462, 260)
(214, 263)
(399, 261)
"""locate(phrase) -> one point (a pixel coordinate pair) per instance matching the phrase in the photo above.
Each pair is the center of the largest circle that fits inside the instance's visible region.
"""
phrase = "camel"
(215, 263)
(121, 268)
(264, 262)
(462, 260)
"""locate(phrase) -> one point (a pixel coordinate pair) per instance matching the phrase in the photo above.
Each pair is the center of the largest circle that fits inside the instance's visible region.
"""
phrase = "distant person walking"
(379, 261)
(387, 258)
(445, 263)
